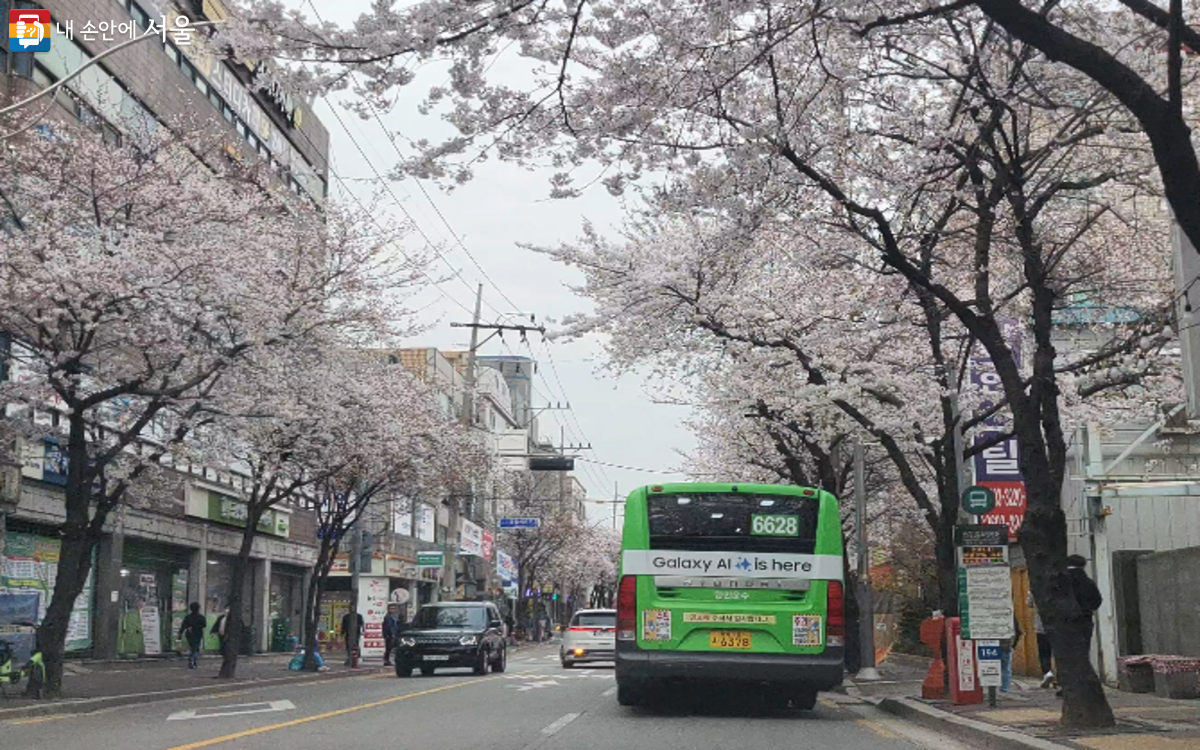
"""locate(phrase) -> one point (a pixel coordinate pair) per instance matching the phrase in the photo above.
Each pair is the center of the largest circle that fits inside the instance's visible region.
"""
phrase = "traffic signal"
(555, 596)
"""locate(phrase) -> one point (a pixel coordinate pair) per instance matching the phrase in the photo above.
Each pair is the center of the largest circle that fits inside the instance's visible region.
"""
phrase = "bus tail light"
(835, 617)
(627, 608)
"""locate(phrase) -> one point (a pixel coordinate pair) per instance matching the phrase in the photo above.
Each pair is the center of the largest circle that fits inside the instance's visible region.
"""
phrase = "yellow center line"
(876, 728)
(40, 719)
(326, 715)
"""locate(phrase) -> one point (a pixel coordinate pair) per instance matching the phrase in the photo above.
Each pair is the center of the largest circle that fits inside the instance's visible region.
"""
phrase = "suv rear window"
(473, 618)
(595, 620)
(733, 521)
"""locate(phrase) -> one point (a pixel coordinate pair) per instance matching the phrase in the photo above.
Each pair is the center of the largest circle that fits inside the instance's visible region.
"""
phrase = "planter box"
(1135, 676)
(1176, 677)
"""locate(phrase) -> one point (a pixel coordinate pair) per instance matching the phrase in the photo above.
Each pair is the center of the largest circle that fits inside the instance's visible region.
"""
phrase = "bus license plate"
(729, 639)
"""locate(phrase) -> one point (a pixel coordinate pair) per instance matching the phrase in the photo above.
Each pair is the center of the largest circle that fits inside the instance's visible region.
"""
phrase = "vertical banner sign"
(998, 467)
(506, 568)
(372, 605)
(489, 543)
(179, 605)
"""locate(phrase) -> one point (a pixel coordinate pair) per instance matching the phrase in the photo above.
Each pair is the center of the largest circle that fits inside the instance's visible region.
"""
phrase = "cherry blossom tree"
(1134, 50)
(135, 282)
(948, 158)
(385, 437)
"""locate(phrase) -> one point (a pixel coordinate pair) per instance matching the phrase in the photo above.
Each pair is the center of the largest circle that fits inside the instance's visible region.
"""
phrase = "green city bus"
(730, 583)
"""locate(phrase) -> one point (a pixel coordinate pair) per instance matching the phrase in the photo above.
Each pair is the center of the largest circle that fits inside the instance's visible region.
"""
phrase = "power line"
(453, 234)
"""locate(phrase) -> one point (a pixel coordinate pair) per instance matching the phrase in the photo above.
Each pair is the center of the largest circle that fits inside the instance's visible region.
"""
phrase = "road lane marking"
(558, 724)
(241, 709)
(40, 719)
(609, 692)
(319, 717)
(877, 729)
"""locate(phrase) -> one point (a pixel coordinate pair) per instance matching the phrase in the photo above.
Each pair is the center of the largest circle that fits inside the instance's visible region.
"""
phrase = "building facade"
(173, 543)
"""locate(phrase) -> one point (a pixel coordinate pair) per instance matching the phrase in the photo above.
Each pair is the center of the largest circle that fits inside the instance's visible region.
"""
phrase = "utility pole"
(468, 415)
(615, 496)
(352, 634)
(866, 608)
(469, 402)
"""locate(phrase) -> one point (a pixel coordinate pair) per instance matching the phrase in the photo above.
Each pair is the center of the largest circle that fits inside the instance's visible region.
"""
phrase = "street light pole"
(866, 608)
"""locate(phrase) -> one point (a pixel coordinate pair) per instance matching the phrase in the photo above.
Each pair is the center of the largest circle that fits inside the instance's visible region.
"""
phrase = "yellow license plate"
(729, 639)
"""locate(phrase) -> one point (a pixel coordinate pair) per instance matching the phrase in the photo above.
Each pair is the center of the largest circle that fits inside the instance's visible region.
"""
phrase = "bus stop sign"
(978, 500)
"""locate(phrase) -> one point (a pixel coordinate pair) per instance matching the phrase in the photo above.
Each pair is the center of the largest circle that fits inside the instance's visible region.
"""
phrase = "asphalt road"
(536, 704)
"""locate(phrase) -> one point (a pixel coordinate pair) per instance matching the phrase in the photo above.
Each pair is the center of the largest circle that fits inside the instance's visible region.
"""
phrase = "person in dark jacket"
(1087, 596)
(192, 629)
(351, 642)
(391, 631)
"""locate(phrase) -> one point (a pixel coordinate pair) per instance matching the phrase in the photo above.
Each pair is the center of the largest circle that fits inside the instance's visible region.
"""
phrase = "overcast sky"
(502, 207)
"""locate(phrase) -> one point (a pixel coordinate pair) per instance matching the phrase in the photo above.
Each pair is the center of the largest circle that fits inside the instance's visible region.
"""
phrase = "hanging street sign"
(978, 500)
(520, 523)
(430, 559)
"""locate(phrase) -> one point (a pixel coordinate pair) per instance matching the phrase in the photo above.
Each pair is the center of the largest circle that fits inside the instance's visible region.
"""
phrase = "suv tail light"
(835, 617)
(627, 608)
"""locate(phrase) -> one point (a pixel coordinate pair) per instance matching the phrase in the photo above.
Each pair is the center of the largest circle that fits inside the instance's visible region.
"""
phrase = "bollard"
(932, 632)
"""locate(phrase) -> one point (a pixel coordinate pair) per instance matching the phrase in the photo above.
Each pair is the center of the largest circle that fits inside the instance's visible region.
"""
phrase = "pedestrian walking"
(1045, 661)
(1007, 646)
(352, 640)
(391, 631)
(192, 630)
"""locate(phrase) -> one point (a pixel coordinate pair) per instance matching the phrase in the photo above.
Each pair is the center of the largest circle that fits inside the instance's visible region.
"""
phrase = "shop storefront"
(286, 606)
(153, 592)
(27, 573)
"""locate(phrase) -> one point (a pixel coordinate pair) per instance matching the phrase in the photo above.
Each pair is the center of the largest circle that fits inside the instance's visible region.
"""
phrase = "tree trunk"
(74, 564)
(312, 602)
(233, 621)
(79, 538)
(947, 562)
(1043, 538)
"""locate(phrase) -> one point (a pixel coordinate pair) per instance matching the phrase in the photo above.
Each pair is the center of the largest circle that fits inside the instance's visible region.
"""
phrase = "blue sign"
(988, 653)
(520, 523)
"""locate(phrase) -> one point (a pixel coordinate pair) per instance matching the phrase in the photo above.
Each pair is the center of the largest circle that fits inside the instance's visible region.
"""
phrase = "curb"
(977, 733)
(89, 705)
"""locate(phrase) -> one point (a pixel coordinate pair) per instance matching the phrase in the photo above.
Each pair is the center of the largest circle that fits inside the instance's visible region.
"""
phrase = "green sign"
(430, 559)
(774, 525)
(978, 500)
(234, 512)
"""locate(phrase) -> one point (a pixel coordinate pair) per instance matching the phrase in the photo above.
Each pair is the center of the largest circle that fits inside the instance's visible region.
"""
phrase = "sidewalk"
(92, 685)
(1028, 716)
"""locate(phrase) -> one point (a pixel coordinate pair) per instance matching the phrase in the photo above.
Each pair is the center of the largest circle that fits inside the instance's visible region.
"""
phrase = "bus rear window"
(739, 522)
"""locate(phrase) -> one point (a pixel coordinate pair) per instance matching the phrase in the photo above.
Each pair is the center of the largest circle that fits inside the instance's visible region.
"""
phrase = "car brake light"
(585, 630)
(627, 608)
(835, 617)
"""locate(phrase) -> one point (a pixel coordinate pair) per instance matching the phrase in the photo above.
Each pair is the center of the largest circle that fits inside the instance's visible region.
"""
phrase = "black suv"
(452, 634)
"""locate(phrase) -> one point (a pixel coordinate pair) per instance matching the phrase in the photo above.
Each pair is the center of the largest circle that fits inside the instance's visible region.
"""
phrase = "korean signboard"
(470, 539)
(998, 466)
(984, 582)
(489, 543)
(430, 559)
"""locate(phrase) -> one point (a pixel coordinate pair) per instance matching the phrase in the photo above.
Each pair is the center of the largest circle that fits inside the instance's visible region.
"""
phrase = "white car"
(591, 636)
